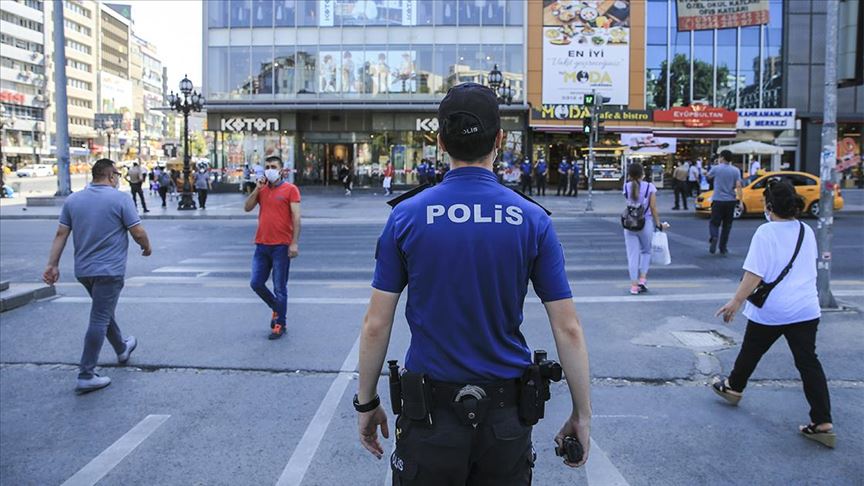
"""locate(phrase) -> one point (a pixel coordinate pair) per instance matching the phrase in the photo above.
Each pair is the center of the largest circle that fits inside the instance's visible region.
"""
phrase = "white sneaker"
(131, 344)
(95, 383)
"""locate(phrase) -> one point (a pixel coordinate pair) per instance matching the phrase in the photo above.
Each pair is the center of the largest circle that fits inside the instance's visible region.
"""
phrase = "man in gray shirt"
(727, 192)
(99, 218)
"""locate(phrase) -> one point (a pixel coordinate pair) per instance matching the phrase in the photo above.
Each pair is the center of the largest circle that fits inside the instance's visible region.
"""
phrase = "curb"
(17, 295)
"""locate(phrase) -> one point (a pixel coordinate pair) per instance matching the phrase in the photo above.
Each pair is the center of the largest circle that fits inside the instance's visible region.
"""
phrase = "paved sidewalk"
(331, 205)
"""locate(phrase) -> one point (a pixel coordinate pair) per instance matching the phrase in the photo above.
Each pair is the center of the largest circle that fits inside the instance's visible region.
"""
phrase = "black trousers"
(574, 185)
(202, 198)
(722, 214)
(541, 185)
(694, 188)
(138, 191)
(526, 184)
(562, 185)
(163, 192)
(801, 338)
(682, 189)
(496, 453)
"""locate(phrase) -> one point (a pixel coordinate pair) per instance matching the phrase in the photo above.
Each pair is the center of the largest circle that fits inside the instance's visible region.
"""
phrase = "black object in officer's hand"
(570, 449)
(395, 387)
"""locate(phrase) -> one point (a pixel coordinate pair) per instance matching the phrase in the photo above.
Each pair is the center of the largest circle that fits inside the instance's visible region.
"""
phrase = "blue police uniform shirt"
(466, 249)
(541, 167)
(563, 167)
(525, 167)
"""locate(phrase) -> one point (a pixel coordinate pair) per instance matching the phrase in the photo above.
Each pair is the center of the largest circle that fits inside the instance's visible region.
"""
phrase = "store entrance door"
(321, 163)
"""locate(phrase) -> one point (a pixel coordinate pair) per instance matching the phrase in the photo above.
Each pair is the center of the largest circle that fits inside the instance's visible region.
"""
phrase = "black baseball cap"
(469, 121)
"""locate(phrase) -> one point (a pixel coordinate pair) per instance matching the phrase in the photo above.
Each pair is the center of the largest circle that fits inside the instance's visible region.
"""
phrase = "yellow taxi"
(806, 185)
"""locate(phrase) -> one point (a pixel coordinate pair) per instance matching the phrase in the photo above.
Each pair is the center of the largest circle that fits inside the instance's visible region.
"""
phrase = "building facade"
(22, 82)
(322, 83)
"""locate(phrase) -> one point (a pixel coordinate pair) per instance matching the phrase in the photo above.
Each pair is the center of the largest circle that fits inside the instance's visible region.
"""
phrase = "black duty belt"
(500, 395)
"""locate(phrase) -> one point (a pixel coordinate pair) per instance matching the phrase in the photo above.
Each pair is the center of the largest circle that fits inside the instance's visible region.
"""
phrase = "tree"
(197, 144)
(679, 81)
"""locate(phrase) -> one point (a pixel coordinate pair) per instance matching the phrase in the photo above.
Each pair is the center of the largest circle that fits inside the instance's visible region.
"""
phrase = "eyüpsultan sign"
(586, 48)
(721, 14)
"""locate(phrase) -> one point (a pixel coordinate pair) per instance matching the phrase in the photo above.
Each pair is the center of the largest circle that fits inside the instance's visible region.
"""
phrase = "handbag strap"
(794, 256)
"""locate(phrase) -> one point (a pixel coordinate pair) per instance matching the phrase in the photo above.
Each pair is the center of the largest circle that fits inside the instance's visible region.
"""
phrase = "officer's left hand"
(582, 431)
(368, 424)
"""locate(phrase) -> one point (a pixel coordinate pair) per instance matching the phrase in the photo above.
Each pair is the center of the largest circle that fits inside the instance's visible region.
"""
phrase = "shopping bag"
(703, 184)
(660, 249)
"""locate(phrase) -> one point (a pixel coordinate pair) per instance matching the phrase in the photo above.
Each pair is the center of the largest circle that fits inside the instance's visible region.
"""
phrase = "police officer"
(575, 176)
(540, 170)
(460, 419)
(421, 172)
(526, 169)
(563, 176)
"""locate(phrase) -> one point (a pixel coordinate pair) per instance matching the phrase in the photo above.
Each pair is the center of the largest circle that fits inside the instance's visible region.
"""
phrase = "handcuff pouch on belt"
(470, 405)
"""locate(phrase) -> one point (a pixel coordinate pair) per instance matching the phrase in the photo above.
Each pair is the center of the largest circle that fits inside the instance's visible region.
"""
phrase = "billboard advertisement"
(586, 46)
(721, 14)
(367, 12)
(646, 143)
(375, 72)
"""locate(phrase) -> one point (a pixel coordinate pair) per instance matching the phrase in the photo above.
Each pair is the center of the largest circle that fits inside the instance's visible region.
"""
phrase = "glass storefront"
(732, 68)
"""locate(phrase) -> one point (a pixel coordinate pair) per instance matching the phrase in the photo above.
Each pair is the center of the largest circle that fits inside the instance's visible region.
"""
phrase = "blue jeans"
(272, 259)
(105, 292)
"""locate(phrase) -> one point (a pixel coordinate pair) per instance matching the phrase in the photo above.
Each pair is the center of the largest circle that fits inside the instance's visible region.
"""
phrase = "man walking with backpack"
(165, 182)
(727, 193)
(99, 218)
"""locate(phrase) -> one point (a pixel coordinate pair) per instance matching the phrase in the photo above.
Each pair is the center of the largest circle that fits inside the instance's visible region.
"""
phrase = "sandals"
(827, 438)
(721, 387)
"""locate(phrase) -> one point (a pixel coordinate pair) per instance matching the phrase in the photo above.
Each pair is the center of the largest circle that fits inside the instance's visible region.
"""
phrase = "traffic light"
(586, 125)
(588, 100)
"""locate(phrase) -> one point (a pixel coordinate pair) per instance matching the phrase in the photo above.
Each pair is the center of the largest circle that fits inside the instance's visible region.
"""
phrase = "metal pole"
(828, 162)
(590, 205)
(186, 201)
(64, 180)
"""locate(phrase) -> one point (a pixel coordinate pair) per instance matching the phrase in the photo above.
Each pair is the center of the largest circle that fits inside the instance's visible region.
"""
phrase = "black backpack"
(633, 217)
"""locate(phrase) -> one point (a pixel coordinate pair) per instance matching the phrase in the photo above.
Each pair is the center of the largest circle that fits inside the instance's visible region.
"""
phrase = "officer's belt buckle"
(470, 404)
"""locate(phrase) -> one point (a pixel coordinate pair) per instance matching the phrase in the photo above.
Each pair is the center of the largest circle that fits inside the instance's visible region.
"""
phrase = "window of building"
(445, 66)
(217, 14)
(77, 8)
(262, 71)
(655, 61)
(77, 120)
(284, 67)
(306, 72)
(425, 13)
(23, 112)
(35, 4)
(238, 71)
(20, 43)
(748, 76)
(446, 12)
(283, 13)
(679, 70)
(81, 103)
(241, 13)
(20, 21)
(217, 73)
(79, 84)
(76, 27)
(307, 13)
(71, 44)
(703, 66)
(81, 66)
(726, 71)
(262, 13)
(515, 14)
(772, 63)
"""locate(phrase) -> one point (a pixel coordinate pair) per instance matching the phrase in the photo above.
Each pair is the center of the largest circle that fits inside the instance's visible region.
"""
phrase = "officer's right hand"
(582, 431)
(368, 423)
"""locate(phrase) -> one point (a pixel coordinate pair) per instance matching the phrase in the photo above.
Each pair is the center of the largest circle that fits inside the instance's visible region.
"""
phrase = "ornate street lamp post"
(503, 91)
(187, 101)
(108, 130)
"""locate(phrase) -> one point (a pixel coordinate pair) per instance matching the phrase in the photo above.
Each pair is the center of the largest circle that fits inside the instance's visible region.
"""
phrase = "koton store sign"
(721, 14)
(696, 116)
(766, 119)
(249, 124)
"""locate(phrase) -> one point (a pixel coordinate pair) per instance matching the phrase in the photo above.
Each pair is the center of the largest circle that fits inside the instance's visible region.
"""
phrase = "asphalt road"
(244, 410)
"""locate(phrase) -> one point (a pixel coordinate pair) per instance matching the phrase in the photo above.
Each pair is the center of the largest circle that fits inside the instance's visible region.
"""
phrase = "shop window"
(470, 12)
(306, 72)
(307, 13)
(239, 82)
(262, 71)
(515, 14)
(284, 68)
(217, 72)
(445, 12)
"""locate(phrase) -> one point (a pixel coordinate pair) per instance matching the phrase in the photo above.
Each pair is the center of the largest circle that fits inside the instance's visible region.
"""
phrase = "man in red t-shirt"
(276, 241)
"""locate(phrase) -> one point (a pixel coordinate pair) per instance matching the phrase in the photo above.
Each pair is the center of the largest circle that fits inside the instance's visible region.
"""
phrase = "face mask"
(272, 175)
(767, 216)
(116, 183)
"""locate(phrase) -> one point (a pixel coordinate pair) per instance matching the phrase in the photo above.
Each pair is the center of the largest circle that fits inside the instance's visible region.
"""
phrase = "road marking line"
(596, 299)
(600, 470)
(302, 456)
(245, 270)
(116, 452)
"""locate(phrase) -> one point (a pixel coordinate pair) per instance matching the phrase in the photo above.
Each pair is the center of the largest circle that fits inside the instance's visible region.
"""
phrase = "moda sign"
(696, 116)
(249, 124)
(766, 119)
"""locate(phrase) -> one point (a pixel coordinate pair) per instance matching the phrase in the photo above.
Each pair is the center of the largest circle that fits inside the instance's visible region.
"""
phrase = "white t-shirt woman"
(795, 298)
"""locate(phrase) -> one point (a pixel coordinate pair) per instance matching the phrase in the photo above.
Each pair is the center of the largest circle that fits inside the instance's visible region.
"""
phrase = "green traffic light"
(588, 99)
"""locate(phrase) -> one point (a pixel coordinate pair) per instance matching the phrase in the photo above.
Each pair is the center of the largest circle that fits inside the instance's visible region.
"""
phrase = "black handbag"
(761, 292)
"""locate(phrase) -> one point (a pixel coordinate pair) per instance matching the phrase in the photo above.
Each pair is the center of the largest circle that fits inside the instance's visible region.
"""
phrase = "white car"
(39, 170)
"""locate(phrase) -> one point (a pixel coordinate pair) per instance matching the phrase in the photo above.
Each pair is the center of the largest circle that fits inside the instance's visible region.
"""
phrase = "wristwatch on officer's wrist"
(366, 407)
